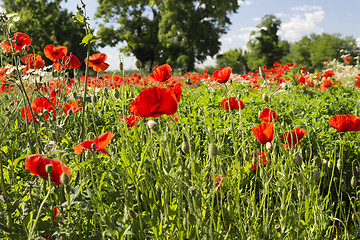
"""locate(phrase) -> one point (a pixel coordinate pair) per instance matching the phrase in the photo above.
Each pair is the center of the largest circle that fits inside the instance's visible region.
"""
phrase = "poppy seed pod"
(213, 151)
(121, 66)
(49, 168)
(152, 125)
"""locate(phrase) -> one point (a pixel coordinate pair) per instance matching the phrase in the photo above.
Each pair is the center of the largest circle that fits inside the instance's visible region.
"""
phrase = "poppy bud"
(213, 151)
(116, 93)
(49, 168)
(262, 73)
(64, 178)
(152, 125)
(268, 146)
(339, 165)
(298, 159)
(265, 97)
(316, 175)
(137, 63)
(93, 146)
(121, 66)
(185, 147)
(353, 182)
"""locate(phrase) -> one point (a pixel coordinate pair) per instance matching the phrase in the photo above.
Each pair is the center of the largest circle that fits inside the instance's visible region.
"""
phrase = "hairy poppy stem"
(32, 228)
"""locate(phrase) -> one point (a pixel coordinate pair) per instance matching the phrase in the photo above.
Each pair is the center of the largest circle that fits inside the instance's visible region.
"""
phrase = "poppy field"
(271, 154)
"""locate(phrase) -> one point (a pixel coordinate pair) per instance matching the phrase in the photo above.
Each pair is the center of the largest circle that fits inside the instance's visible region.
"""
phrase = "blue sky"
(298, 18)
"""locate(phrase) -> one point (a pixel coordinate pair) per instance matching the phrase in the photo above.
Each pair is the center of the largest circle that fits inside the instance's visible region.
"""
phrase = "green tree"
(265, 47)
(180, 33)
(47, 23)
(234, 58)
(312, 51)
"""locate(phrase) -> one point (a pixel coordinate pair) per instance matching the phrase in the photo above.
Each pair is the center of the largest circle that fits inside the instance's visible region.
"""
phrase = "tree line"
(180, 33)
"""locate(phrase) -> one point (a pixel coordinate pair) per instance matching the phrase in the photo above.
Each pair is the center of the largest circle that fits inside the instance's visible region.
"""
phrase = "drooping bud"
(339, 165)
(64, 178)
(265, 97)
(93, 146)
(137, 63)
(49, 168)
(185, 147)
(116, 93)
(268, 146)
(262, 73)
(213, 151)
(152, 125)
(121, 66)
(353, 182)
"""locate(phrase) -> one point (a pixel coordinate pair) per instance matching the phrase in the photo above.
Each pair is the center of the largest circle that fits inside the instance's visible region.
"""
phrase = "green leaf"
(86, 40)
(80, 18)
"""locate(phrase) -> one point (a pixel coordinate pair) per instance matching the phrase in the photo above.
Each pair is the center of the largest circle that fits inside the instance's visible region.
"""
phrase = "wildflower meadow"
(271, 154)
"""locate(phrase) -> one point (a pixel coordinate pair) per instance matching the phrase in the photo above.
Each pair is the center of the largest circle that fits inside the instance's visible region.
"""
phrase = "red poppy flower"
(264, 132)
(40, 104)
(222, 75)
(68, 63)
(268, 115)
(328, 73)
(27, 116)
(261, 156)
(56, 213)
(345, 123)
(5, 46)
(293, 138)
(176, 89)
(98, 144)
(154, 102)
(326, 83)
(218, 181)
(161, 73)
(357, 83)
(232, 103)
(276, 63)
(55, 54)
(33, 61)
(347, 59)
(36, 165)
(97, 62)
(75, 106)
(130, 120)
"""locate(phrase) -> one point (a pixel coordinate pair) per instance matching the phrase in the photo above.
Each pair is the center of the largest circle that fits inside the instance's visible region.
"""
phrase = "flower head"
(232, 103)
(55, 54)
(161, 73)
(264, 132)
(97, 62)
(98, 144)
(268, 115)
(222, 75)
(293, 138)
(154, 102)
(20, 42)
(345, 123)
(36, 164)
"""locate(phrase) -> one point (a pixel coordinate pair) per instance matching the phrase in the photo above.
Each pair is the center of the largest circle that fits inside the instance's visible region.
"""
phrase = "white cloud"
(245, 2)
(257, 19)
(306, 8)
(226, 39)
(358, 41)
(245, 29)
(243, 37)
(301, 24)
